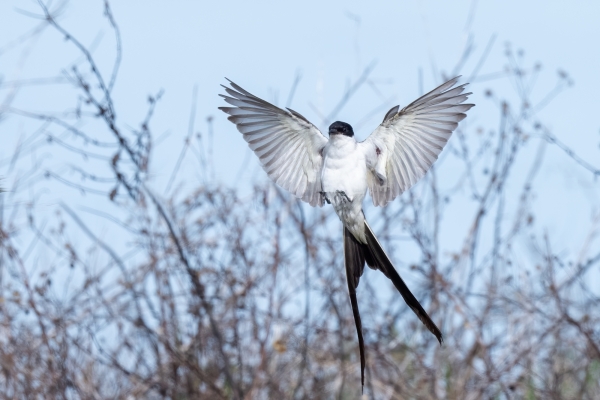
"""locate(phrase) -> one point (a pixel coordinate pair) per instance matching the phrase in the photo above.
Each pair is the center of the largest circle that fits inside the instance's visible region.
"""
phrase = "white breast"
(344, 167)
(345, 170)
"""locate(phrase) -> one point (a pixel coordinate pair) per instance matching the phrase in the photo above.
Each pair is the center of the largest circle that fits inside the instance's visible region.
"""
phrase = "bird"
(339, 170)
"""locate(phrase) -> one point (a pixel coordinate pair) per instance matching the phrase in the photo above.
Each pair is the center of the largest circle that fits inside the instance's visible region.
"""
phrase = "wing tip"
(391, 113)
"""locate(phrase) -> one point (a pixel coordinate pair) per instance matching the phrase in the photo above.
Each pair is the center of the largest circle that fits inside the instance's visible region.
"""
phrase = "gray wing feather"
(288, 146)
(403, 148)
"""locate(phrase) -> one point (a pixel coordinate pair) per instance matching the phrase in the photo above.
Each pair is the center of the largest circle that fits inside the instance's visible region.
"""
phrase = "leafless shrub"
(219, 296)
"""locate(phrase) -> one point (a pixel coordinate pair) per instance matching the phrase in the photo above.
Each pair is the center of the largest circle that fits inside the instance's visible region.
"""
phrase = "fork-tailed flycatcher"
(300, 159)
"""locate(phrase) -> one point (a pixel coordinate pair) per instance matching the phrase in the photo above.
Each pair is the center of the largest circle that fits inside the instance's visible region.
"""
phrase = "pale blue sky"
(262, 45)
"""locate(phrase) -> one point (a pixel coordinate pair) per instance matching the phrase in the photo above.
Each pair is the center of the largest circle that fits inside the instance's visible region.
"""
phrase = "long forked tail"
(355, 256)
(382, 262)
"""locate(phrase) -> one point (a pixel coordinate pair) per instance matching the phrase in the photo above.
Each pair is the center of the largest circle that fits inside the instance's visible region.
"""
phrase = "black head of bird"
(341, 128)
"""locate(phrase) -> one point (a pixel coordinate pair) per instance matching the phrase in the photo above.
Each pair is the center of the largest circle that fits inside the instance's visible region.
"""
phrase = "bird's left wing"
(403, 148)
(289, 147)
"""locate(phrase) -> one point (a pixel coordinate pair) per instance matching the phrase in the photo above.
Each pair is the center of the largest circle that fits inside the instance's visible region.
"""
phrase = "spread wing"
(289, 147)
(403, 148)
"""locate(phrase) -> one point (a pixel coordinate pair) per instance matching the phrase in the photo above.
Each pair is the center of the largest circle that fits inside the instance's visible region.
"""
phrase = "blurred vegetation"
(223, 296)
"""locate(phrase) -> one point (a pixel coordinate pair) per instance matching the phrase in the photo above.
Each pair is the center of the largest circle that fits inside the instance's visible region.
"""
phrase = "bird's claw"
(340, 194)
(344, 195)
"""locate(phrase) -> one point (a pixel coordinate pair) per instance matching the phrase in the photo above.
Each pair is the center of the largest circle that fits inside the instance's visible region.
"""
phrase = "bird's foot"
(343, 194)
(325, 197)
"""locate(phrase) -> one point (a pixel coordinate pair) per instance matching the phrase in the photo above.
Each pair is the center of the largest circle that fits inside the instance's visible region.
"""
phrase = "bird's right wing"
(289, 147)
